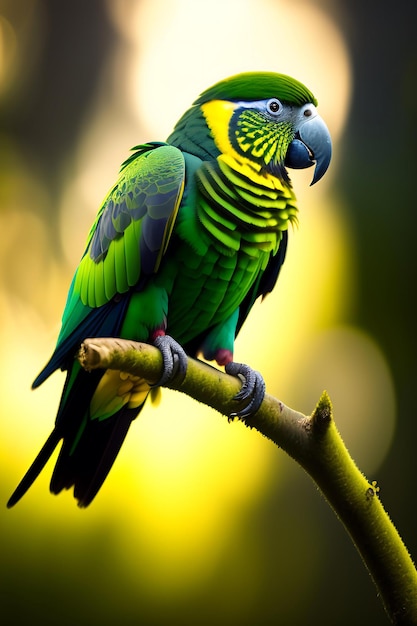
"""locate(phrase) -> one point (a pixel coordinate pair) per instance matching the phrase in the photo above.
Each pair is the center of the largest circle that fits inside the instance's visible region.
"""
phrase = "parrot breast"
(231, 226)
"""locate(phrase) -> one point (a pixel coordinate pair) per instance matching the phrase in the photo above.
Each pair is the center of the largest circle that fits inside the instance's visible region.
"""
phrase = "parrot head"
(266, 119)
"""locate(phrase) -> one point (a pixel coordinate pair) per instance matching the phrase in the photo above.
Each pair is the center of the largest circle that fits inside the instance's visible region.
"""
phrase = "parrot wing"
(125, 246)
(133, 227)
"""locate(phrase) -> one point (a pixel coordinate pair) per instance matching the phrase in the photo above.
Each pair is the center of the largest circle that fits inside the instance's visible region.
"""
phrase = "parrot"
(193, 232)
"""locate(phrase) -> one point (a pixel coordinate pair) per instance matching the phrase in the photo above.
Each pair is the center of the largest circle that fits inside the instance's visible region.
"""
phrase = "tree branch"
(313, 441)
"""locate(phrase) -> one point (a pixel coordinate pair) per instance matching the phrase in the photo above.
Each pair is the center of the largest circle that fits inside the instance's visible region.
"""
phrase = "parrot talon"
(174, 359)
(253, 389)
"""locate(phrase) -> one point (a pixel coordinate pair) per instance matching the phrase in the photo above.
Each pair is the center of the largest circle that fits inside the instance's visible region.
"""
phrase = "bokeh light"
(163, 78)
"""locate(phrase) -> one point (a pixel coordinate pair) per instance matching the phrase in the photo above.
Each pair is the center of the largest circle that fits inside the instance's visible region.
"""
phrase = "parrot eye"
(273, 106)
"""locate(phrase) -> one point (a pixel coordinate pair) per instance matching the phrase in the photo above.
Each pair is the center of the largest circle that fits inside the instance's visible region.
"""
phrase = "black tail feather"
(36, 467)
(89, 464)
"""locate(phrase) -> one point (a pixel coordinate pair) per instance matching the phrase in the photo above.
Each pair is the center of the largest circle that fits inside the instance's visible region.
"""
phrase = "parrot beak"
(312, 144)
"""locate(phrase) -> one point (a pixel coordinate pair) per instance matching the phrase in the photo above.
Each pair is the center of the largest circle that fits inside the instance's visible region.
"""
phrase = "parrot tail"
(87, 466)
(91, 441)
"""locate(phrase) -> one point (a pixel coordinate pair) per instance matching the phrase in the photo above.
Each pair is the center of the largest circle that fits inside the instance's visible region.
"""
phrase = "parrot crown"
(258, 86)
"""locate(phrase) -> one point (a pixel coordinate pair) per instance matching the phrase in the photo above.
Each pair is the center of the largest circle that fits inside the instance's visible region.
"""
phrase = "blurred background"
(201, 521)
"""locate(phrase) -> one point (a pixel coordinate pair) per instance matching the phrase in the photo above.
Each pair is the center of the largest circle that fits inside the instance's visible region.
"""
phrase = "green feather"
(149, 188)
(258, 86)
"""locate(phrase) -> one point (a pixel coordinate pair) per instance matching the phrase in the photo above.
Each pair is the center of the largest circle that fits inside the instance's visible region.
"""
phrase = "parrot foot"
(253, 389)
(174, 359)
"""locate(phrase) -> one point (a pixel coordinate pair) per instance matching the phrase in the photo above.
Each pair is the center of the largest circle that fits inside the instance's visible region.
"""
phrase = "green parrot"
(192, 233)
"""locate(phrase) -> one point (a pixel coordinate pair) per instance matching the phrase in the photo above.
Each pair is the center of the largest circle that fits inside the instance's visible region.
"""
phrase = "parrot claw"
(174, 359)
(253, 389)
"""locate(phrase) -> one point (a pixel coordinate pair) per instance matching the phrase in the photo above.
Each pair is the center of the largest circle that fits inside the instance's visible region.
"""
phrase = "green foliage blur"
(285, 559)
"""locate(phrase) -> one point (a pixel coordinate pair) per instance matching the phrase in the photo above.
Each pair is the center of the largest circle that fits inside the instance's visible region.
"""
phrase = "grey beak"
(312, 144)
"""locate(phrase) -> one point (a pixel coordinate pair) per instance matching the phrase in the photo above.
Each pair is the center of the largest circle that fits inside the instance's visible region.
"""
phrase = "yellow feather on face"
(218, 114)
